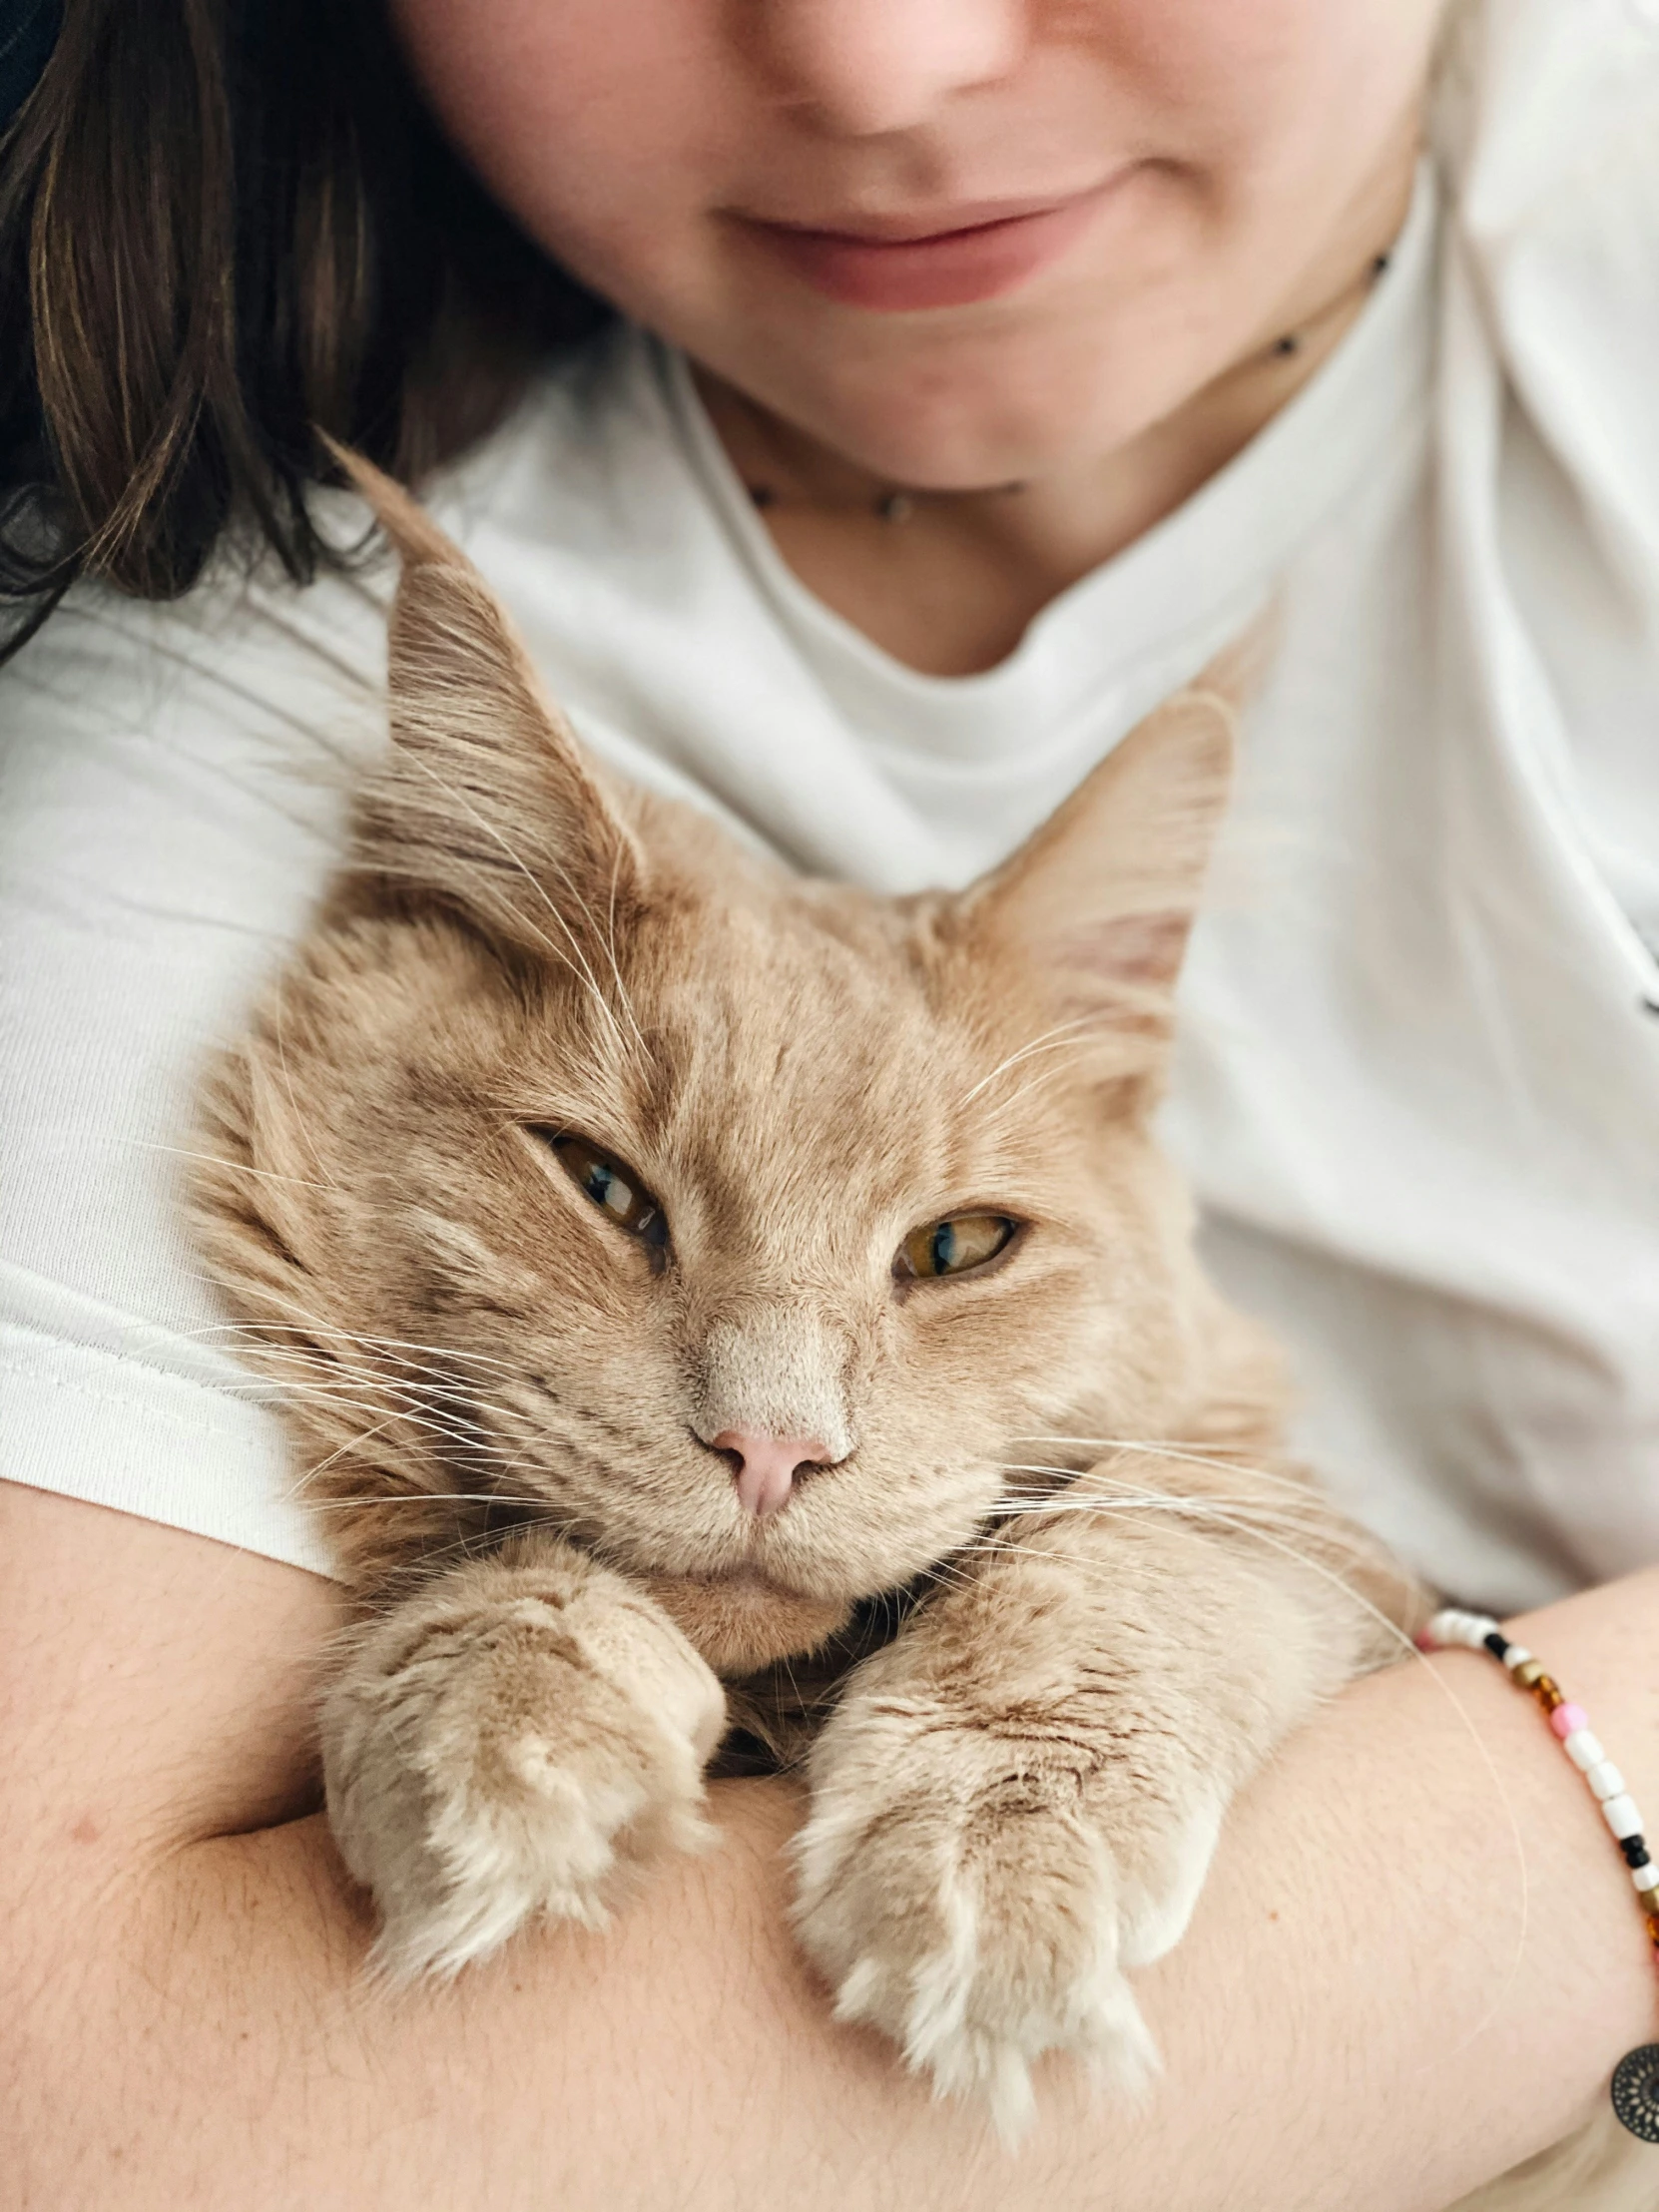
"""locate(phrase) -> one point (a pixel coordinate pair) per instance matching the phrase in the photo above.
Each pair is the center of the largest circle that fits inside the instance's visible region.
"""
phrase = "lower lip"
(954, 269)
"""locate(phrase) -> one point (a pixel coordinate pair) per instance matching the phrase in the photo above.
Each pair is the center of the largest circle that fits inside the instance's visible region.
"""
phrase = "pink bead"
(1567, 1720)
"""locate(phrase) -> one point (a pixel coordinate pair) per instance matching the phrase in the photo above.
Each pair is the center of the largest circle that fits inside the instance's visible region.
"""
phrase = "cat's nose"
(767, 1466)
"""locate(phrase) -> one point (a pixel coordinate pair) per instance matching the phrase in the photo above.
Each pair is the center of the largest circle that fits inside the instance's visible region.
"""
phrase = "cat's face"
(754, 1233)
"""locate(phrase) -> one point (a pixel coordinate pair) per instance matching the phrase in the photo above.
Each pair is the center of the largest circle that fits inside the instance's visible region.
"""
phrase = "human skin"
(1416, 1961)
(1256, 158)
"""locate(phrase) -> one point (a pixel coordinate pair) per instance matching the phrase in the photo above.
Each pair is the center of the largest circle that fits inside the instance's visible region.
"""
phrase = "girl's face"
(958, 240)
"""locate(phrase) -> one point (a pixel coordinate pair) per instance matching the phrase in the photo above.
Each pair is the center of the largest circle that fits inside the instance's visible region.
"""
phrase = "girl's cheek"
(602, 125)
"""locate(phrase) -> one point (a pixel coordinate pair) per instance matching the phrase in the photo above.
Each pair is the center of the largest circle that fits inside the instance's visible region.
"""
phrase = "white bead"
(1517, 1656)
(1645, 1877)
(1583, 1749)
(1622, 1818)
(1455, 1626)
(1605, 1780)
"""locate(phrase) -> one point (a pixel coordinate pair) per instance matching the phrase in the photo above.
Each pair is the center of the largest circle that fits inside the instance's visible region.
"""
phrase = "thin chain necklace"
(896, 503)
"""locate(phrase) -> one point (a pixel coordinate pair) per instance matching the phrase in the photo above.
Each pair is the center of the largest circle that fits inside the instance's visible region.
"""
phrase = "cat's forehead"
(797, 996)
(811, 1026)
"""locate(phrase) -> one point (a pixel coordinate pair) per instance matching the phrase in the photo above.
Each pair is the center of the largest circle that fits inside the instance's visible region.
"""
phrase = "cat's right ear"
(1094, 909)
(485, 803)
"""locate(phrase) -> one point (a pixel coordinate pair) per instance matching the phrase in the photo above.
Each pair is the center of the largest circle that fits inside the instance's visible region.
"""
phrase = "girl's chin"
(1023, 415)
(742, 1622)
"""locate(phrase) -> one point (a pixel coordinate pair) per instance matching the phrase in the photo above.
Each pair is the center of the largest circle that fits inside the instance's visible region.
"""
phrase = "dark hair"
(224, 225)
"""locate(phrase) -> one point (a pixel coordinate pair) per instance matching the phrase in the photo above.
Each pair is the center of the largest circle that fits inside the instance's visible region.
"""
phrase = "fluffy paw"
(500, 1746)
(978, 1896)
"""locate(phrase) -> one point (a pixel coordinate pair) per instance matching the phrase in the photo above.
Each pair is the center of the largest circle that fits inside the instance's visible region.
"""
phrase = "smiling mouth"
(894, 266)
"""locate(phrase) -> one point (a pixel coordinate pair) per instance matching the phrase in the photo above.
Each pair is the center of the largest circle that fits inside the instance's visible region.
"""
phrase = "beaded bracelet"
(1636, 2079)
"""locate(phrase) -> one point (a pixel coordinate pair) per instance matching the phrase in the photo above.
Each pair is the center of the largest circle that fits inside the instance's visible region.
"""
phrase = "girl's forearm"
(1365, 2013)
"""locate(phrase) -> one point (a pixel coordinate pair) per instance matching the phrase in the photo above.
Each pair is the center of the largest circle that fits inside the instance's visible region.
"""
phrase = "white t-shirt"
(1419, 1084)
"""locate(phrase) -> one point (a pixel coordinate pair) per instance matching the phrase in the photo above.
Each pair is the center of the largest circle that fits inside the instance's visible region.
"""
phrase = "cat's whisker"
(607, 938)
(947, 1572)
(328, 1382)
(1066, 1502)
(337, 1402)
(1057, 1503)
(455, 1420)
(212, 1160)
(340, 1406)
(421, 1388)
(479, 1454)
(1298, 1508)
(1264, 1512)
(453, 1417)
(333, 1371)
(577, 957)
(259, 1328)
(314, 1325)
(1126, 1443)
(367, 1499)
(469, 1542)
(344, 1451)
(1189, 1452)
(607, 941)
(1019, 1100)
(1051, 1040)
(611, 954)
(1255, 1521)
(299, 1122)
(1187, 1508)
(489, 894)
(788, 1671)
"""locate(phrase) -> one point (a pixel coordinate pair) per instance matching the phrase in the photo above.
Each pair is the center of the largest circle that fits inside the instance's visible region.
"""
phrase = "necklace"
(896, 503)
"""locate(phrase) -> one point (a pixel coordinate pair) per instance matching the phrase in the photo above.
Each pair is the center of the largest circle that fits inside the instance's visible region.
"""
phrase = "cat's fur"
(1114, 1595)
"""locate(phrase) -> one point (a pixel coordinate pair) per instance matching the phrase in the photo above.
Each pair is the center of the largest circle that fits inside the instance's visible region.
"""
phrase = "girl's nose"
(869, 66)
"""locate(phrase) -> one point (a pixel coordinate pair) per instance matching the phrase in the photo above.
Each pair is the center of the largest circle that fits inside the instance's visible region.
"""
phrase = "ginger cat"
(716, 1308)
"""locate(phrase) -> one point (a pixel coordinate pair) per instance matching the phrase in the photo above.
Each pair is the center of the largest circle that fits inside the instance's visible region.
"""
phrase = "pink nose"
(767, 1466)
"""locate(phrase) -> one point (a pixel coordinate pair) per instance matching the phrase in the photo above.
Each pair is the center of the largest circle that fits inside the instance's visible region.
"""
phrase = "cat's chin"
(742, 1621)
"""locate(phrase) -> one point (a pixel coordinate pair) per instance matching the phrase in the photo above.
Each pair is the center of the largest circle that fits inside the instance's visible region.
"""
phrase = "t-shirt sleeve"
(174, 786)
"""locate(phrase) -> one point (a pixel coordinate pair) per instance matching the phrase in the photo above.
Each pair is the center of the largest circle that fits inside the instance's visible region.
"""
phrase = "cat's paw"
(500, 1746)
(969, 1895)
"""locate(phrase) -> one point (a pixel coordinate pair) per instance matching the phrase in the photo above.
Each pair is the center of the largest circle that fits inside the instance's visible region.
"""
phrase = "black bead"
(1498, 1645)
(763, 495)
(1379, 266)
(1287, 345)
(1635, 1850)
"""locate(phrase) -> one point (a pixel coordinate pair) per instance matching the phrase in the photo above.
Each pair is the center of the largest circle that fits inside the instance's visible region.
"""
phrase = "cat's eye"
(955, 1245)
(615, 1189)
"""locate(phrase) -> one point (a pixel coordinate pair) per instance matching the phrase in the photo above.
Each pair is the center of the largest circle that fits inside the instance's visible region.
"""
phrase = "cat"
(729, 1317)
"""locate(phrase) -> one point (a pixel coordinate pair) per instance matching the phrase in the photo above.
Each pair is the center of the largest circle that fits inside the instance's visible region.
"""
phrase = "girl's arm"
(1410, 1969)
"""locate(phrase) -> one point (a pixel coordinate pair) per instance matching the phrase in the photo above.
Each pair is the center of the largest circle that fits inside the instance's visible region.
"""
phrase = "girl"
(867, 408)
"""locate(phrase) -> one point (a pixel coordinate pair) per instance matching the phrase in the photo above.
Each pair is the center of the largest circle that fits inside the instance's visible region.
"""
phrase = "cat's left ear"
(486, 804)
(1097, 905)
